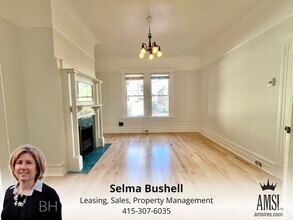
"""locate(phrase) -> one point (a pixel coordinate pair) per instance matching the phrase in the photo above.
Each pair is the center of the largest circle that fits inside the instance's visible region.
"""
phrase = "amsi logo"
(268, 203)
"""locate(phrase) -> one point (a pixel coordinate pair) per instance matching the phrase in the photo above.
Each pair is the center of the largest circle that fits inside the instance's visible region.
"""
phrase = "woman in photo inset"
(30, 198)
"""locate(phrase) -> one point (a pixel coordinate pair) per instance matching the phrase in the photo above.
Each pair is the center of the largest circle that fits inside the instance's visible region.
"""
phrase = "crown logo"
(268, 186)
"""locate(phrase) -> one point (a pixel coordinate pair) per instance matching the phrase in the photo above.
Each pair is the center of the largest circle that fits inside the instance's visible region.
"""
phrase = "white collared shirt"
(37, 186)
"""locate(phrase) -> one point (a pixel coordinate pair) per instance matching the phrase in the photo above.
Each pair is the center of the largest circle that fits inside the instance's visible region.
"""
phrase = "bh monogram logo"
(47, 206)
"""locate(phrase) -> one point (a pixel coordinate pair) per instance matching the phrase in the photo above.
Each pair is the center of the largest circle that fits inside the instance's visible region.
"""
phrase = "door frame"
(285, 106)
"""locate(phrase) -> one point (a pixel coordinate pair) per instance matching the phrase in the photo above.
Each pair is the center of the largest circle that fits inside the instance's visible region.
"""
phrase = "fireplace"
(84, 120)
(87, 140)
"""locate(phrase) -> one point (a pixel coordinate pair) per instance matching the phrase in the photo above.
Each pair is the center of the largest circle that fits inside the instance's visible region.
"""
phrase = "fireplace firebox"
(86, 134)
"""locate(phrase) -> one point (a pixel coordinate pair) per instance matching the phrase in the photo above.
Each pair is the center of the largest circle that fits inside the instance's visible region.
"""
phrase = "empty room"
(146, 109)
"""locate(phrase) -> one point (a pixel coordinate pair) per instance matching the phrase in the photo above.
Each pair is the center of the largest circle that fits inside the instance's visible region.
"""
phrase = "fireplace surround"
(83, 117)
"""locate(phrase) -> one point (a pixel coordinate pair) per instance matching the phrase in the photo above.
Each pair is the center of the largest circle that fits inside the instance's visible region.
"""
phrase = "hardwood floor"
(203, 167)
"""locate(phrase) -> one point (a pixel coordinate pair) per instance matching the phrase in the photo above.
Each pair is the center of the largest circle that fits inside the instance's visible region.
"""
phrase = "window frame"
(158, 76)
(147, 93)
(143, 92)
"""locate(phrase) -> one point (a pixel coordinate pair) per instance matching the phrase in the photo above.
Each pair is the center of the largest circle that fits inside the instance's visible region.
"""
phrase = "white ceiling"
(180, 27)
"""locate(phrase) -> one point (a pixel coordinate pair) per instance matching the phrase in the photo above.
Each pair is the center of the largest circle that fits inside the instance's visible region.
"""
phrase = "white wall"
(13, 124)
(5, 177)
(104, 64)
(67, 51)
(267, 15)
(42, 94)
(73, 42)
(31, 40)
(185, 85)
(27, 13)
(186, 105)
(35, 36)
(13, 82)
(23, 26)
(237, 108)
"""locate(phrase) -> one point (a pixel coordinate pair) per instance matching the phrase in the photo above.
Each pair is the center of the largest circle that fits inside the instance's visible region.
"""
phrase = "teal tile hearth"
(90, 159)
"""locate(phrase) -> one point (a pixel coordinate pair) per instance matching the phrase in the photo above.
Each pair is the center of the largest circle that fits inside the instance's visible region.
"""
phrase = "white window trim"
(147, 94)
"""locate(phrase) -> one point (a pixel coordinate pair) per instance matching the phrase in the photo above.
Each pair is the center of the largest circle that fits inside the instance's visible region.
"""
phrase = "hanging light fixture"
(152, 48)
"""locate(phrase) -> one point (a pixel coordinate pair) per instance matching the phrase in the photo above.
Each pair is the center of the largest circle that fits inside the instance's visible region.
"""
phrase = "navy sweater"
(43, 205)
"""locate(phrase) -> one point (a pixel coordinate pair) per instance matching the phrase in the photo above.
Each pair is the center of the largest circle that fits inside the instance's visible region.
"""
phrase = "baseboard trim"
(150, 129)
(55, 170)
(267, 164)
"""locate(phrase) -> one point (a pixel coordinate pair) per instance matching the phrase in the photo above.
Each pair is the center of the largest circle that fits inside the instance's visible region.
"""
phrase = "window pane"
(160, 94)
(135, 94)
(134, 87)
(135, 106)
(160, 105)
(160, 86)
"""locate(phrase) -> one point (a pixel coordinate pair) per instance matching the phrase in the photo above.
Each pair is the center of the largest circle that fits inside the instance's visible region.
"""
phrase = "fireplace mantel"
(80, 107)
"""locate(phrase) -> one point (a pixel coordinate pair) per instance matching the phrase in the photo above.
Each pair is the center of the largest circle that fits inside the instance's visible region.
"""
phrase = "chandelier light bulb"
(141, 55)
(159, 54)
(142, 51)
(151, 56)
(155, 49)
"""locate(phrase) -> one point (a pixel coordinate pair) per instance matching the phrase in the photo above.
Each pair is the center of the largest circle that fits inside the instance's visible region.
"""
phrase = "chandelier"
(152, 48)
